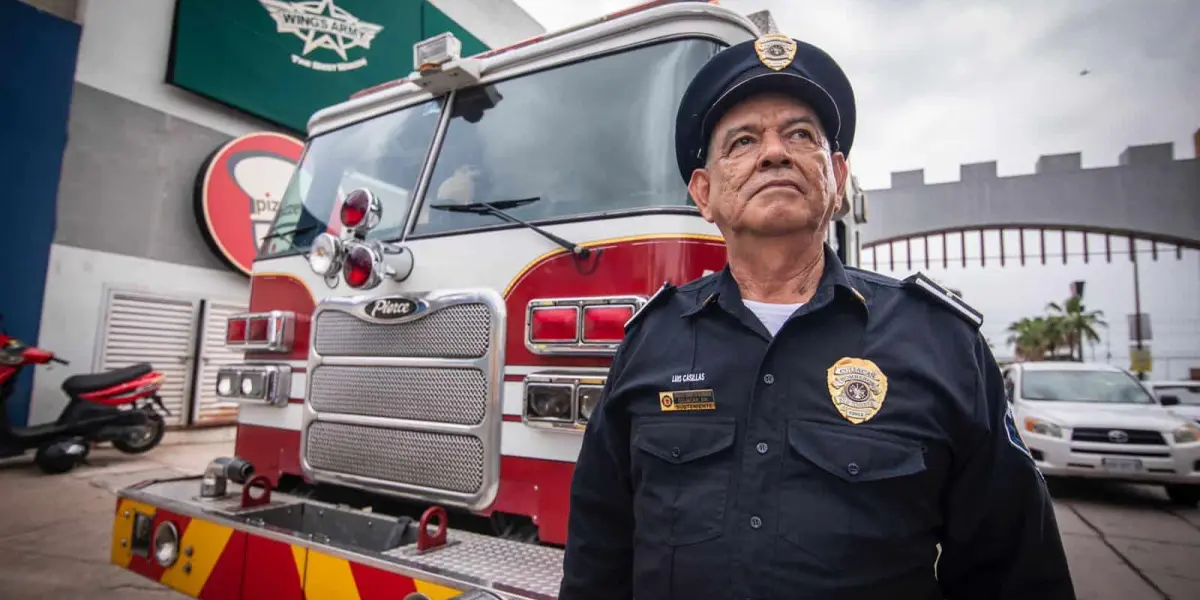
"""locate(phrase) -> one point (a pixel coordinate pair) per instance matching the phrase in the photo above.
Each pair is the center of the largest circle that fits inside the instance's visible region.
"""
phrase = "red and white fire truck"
(433, 316)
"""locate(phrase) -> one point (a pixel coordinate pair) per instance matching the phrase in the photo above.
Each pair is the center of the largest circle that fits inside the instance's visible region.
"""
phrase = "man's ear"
(698, 187)
(841, 174)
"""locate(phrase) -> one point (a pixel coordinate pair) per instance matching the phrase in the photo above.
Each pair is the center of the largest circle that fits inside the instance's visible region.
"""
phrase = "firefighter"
(791, 427)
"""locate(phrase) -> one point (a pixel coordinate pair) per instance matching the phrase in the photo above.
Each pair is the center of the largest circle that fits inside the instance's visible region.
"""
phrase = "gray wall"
(128, 181)
(1147, 192)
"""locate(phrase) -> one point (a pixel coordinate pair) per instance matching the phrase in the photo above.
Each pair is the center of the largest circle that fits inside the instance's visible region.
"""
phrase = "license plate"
(1124, 465)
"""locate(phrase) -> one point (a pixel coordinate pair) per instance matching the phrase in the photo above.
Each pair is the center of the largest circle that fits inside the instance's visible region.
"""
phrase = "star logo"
(323, 25)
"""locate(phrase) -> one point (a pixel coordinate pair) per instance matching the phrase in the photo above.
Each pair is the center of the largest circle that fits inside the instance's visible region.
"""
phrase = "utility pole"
(1137, 306)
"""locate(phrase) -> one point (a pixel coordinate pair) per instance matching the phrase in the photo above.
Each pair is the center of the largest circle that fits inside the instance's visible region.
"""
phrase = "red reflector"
(358, 265)
(605, 323)
(258, 330)
(554, 324)
(235, 331)
(354, 208)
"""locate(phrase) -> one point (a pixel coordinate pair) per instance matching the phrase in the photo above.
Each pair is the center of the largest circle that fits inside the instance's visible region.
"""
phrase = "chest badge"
(857, 388)
(687, 400)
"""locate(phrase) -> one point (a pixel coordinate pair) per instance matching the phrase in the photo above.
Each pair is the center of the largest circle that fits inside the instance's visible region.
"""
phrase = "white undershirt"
(773, 316)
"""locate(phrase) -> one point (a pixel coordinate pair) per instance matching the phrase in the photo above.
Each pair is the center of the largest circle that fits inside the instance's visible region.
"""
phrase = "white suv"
(1098, 421)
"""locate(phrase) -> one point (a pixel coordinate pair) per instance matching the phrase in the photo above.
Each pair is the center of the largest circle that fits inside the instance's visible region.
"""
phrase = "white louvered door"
(208, 410)
(158, 330)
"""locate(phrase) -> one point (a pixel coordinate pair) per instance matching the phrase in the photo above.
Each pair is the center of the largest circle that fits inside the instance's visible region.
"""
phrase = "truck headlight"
(1042, 427)
(166, 544)
(1187, 434)
(548, 401)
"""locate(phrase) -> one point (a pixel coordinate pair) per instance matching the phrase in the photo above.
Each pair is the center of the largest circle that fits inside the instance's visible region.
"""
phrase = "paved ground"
(1124, 542)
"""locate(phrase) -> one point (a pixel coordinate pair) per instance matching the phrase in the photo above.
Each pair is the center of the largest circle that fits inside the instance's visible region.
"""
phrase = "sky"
(940, 83)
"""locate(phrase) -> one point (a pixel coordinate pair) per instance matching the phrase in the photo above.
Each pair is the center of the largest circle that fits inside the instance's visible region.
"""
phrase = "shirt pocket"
(850, 496)
(682, 473)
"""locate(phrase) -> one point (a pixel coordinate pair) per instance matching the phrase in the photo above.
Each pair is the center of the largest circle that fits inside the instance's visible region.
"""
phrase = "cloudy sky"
(943, 82)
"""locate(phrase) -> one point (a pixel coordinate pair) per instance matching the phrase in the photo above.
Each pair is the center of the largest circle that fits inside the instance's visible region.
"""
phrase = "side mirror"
(1169, 400)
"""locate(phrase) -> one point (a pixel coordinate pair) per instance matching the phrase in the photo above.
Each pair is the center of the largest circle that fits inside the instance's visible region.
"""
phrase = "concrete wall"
(1146, 191)
(76, 283)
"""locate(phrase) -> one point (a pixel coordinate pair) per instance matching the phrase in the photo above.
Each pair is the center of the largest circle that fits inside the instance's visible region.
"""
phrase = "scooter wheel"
(143, 439)
(61, 456)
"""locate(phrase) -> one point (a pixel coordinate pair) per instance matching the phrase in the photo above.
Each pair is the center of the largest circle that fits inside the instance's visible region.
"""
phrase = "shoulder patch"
(929, 289)
(662, 294)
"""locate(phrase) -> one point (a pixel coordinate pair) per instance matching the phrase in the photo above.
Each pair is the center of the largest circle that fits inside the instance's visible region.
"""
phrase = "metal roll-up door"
(157, 330)
(214, 355)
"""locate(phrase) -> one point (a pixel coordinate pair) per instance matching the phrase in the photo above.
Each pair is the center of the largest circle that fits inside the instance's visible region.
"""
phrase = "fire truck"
(433, 315)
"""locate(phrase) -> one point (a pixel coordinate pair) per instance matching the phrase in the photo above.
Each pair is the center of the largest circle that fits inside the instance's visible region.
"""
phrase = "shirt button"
(761, 447)
(768, 379)
(675, 453)
(852, 468)
(755, 522)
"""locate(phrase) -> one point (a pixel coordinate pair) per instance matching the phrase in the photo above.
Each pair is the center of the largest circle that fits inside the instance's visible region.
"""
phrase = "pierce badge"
(857, 388)
(775, 50)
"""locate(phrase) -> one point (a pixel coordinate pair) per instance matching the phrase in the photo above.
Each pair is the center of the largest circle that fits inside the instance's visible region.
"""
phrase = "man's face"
(770, 171)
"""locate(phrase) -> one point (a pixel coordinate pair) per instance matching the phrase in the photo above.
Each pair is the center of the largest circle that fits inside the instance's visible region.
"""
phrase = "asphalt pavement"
(1124, 542)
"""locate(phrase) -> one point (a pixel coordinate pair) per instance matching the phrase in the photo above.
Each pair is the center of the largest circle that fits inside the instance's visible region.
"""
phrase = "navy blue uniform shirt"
(827, 462)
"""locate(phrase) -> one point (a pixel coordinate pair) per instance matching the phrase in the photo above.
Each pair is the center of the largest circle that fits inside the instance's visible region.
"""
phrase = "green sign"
(283, 60)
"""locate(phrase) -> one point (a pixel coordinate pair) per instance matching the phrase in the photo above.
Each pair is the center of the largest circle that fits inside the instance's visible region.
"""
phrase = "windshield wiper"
(579, 254)
(498, 207)
(277, 234)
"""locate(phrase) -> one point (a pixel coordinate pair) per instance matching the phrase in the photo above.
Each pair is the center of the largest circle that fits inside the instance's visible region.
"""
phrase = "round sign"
(239, 190)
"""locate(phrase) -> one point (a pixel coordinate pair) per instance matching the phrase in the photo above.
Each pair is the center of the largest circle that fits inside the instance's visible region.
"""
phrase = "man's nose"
(774, 152)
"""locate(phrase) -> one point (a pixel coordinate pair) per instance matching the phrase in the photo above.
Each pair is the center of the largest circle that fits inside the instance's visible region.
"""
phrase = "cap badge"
(857, 388)
(775, 50)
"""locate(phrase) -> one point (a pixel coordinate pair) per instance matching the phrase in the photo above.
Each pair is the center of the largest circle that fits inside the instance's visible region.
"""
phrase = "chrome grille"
(408, 407)
(414, 393)
(459, 331)
(1132, 436)
(434, 460)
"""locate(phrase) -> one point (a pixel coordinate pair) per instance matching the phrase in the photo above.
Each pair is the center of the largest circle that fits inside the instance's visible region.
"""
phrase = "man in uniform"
(790, 427)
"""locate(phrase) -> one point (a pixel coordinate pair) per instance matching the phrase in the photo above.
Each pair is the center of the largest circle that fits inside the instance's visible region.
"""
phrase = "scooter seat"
(82, 384)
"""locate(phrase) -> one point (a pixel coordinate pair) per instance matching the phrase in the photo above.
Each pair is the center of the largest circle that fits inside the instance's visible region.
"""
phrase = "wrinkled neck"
(777, 270)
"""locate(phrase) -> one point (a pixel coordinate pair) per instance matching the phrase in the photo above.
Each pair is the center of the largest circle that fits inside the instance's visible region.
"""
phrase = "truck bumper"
(225, 552)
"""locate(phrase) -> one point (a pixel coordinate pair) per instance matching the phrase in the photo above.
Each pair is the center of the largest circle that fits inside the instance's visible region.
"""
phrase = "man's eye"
(742, 141)
(803, 133)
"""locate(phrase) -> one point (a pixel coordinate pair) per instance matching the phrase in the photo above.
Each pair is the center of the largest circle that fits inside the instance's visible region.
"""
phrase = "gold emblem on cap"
(775, 50)
(857, 388)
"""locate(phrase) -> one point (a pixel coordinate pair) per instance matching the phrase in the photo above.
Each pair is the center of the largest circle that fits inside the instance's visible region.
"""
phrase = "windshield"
(1083, 386)
(1188, 394)
(384, 155)
(585, 138)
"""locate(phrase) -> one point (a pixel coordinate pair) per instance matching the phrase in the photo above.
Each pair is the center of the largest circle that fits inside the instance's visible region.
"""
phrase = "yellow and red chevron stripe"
(221, 563)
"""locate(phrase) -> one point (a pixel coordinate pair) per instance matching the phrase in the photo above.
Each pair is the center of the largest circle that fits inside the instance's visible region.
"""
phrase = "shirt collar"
(724, 292)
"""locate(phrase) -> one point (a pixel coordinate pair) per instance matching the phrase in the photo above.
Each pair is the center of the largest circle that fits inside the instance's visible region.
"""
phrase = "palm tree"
(1032, 338)
(1076, 324)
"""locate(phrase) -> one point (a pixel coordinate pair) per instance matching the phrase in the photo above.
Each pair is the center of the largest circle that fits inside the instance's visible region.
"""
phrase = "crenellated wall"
(1148, 192)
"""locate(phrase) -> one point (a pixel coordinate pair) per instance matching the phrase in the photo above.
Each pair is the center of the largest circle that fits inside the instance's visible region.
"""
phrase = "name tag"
(687, 400)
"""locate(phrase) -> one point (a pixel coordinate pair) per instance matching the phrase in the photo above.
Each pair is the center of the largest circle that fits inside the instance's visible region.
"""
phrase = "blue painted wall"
(36, 78)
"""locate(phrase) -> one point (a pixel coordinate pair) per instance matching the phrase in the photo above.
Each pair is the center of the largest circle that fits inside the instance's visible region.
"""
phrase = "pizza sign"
(239, 191)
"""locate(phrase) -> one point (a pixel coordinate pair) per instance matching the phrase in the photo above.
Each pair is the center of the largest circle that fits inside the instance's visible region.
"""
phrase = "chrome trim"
(435, 148)
(572, 379)
(281, 331)
(217, 515)
(576, 346)
(487, 431)
(277, 384)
